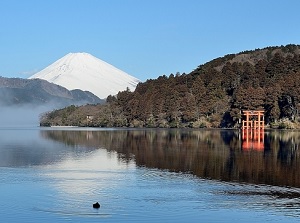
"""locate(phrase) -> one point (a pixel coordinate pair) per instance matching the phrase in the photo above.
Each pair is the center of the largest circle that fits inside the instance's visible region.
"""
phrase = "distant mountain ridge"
(18, 91)
(86, 72)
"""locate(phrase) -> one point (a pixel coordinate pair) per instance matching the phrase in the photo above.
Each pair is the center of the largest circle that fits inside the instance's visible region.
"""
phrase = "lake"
(148, 175)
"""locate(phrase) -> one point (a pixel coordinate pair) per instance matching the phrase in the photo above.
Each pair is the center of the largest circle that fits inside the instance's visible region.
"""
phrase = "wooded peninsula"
(211, 96)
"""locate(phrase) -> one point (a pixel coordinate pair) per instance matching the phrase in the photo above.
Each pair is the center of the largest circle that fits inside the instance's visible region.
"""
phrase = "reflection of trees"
(214, 154)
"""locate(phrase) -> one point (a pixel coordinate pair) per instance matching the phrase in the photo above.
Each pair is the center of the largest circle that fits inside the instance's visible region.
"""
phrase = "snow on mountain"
(88, 73)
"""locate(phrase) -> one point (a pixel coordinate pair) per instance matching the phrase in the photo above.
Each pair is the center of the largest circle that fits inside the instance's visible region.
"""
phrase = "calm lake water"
(148, 175)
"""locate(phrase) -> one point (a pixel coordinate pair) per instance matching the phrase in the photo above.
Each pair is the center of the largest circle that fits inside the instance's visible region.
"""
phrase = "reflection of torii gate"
(253, 130)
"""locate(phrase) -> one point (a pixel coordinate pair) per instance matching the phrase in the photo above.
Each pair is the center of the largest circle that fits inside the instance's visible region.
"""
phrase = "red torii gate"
(254, 120)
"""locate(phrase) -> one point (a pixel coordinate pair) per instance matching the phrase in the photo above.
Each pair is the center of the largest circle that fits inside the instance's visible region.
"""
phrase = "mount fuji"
(88, 73)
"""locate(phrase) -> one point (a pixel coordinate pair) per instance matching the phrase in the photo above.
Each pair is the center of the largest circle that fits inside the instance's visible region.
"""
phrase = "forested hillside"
(212, 95)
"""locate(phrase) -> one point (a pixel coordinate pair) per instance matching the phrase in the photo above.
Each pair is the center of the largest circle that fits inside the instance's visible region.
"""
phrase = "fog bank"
(21, 116)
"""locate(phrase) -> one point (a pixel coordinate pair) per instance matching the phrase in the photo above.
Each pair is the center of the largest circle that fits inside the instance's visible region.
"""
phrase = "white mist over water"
(21, 116)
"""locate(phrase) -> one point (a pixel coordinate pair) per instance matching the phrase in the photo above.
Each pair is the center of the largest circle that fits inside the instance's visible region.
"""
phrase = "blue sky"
(145, 38)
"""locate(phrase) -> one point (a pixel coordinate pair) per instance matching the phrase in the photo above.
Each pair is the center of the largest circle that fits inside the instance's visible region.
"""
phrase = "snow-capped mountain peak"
(86, 72)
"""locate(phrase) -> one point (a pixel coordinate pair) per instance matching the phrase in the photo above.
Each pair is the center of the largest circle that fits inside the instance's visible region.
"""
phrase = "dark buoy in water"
(96, 205)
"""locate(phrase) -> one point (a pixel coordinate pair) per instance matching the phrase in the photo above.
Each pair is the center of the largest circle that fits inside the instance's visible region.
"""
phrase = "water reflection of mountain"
(213, 154)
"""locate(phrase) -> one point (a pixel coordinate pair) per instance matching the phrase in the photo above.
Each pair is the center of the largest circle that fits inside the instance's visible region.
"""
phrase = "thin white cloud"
(29, 73)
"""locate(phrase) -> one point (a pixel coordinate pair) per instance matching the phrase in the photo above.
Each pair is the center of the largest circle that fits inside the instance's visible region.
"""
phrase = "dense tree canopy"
(210, 96)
